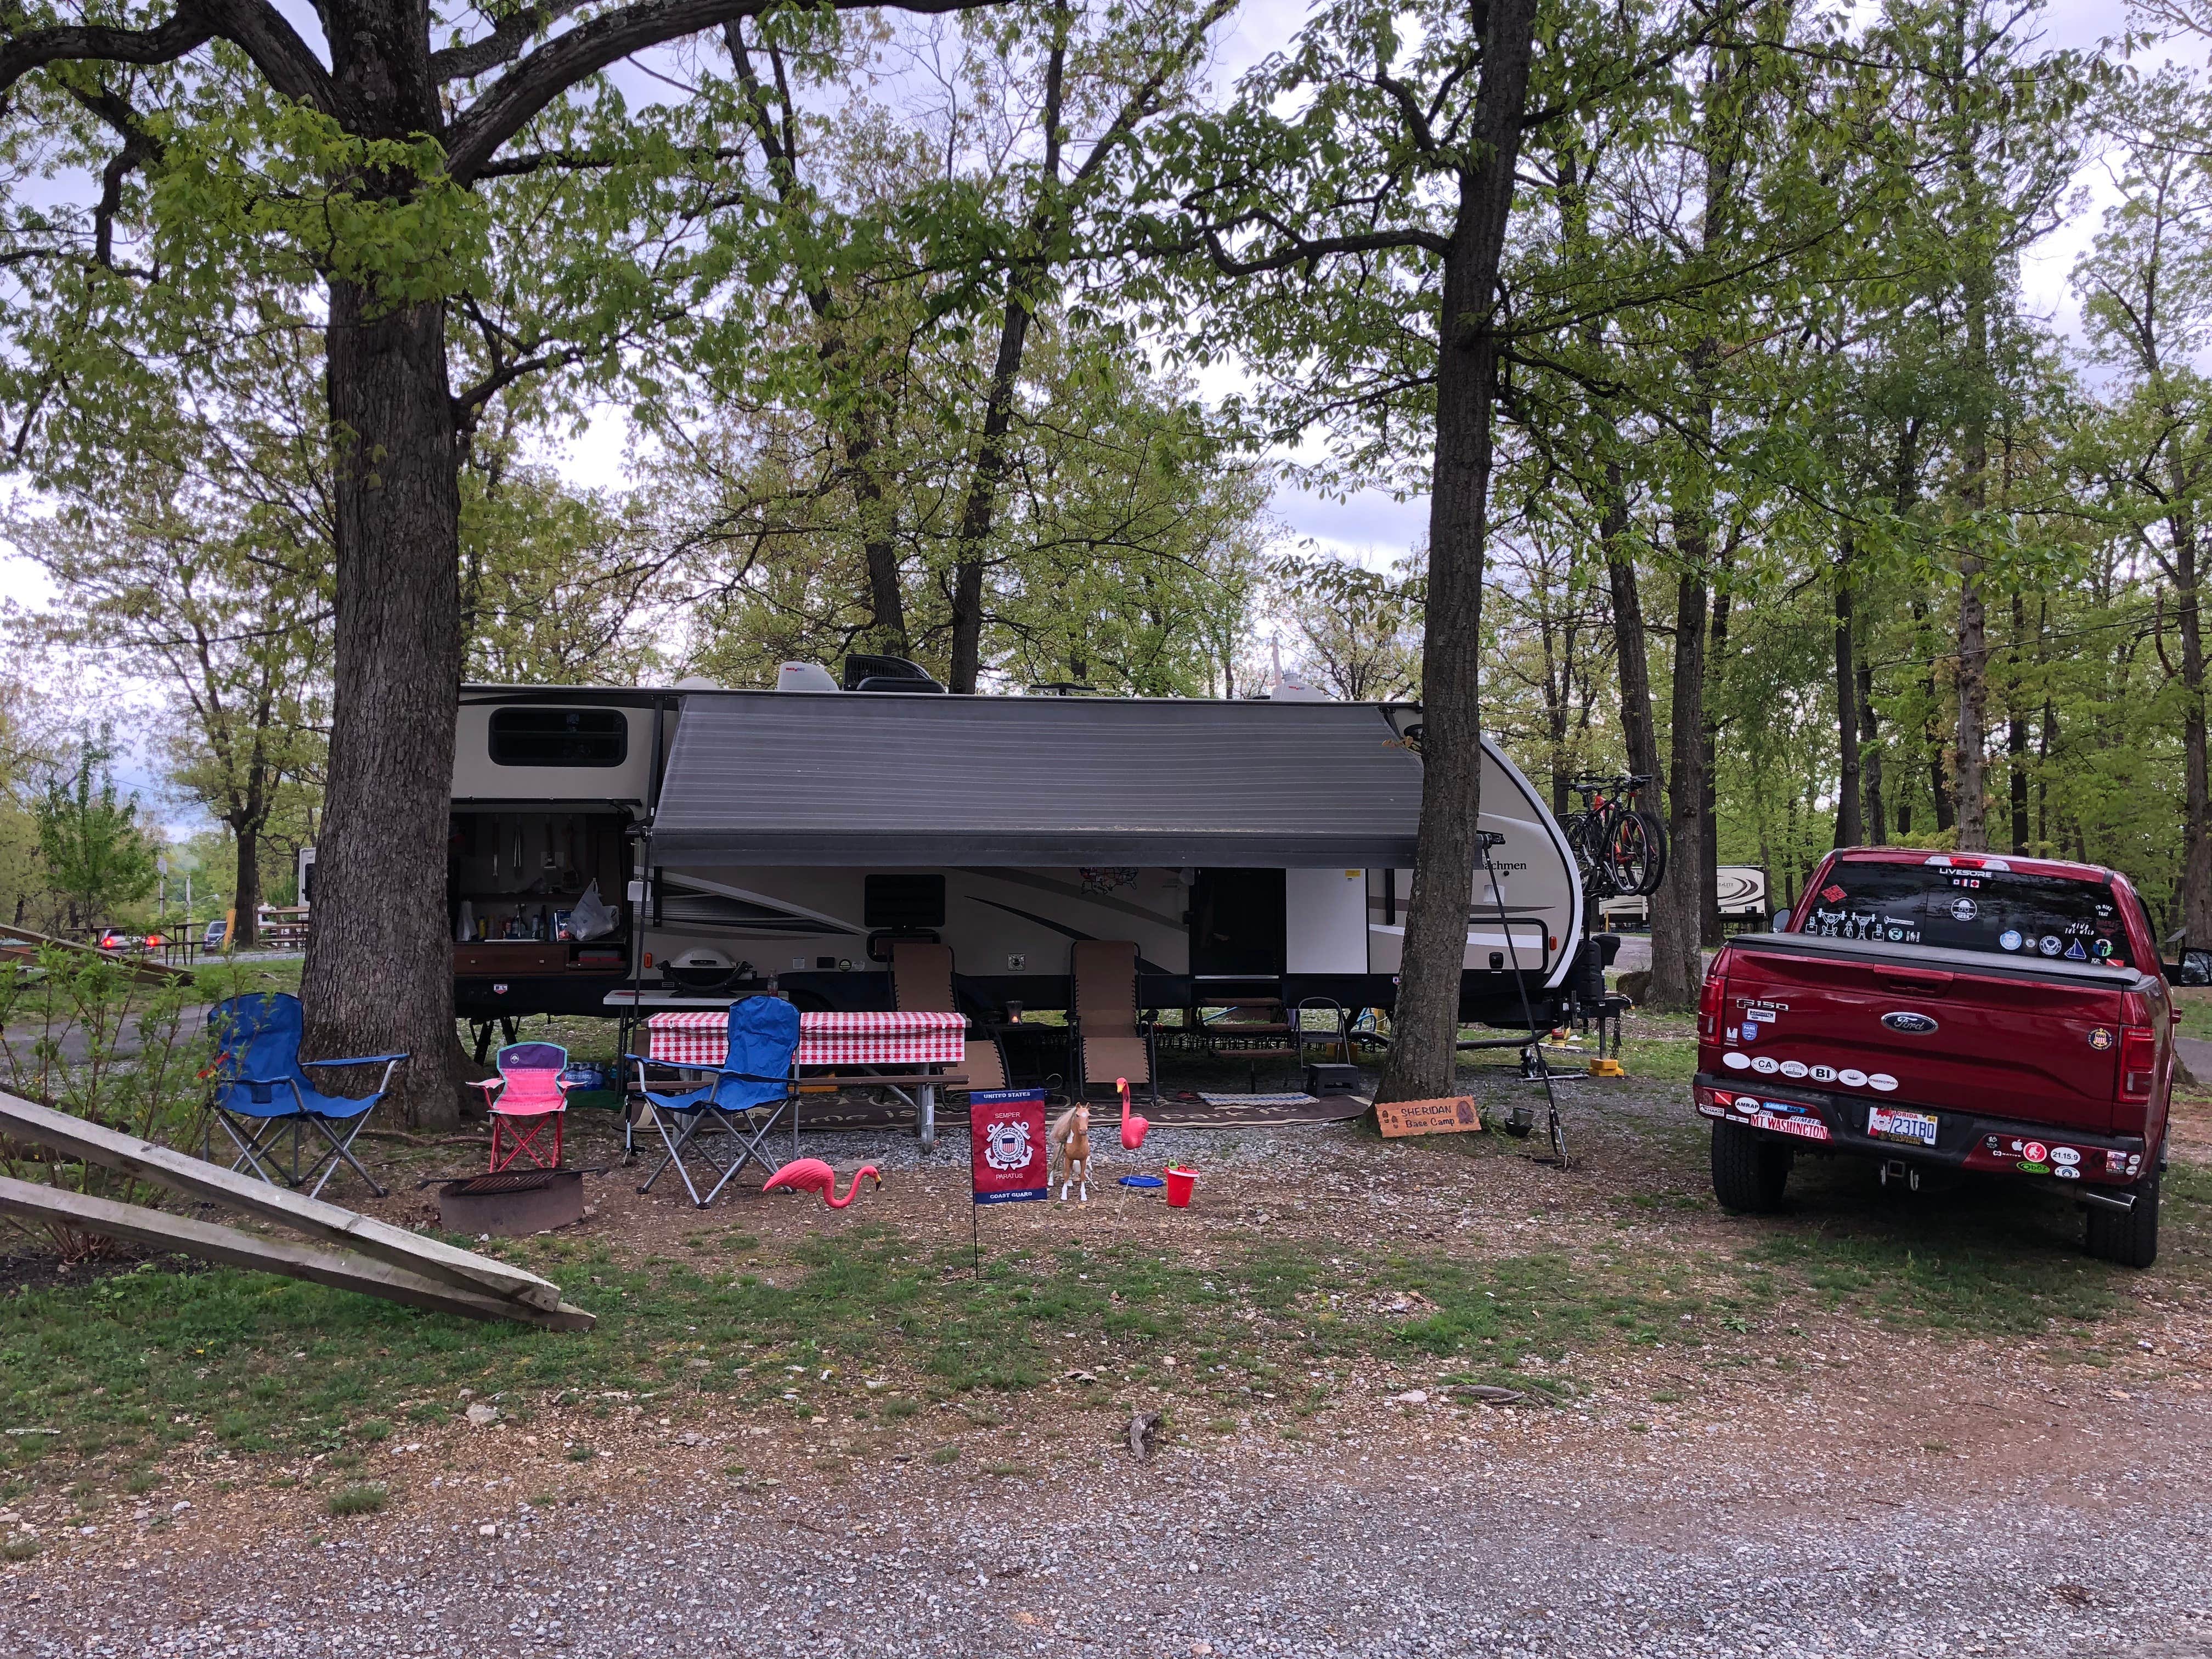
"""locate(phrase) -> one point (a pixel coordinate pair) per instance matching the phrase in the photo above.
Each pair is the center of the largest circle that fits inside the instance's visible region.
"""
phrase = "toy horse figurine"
(1069, 1140)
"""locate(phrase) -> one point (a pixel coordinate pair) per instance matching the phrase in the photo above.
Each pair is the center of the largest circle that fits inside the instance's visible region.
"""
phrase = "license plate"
(1890, 1125)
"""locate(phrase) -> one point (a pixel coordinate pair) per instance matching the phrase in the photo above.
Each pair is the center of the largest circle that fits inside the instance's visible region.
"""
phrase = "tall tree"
(370, 164)
(2146, 290)
(1378, 153)
(201, 561)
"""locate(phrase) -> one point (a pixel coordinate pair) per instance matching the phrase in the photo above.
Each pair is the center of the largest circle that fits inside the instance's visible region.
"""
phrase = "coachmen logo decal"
(1912, 1025)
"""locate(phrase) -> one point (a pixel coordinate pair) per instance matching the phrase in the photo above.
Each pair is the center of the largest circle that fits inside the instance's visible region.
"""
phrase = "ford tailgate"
(2030, 1040)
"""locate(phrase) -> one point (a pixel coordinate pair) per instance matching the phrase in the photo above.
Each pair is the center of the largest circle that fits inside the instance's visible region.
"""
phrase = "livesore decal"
(1008, 1159)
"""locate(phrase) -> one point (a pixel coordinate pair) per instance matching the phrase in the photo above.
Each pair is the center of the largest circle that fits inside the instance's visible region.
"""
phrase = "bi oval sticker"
(1850, 1077)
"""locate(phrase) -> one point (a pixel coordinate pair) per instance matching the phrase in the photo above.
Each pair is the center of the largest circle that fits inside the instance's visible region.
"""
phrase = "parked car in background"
(114, 939)
(217, 931)
(1948, 1011)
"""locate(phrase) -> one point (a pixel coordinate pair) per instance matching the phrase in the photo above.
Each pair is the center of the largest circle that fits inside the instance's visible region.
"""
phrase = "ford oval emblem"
(1911, 1023)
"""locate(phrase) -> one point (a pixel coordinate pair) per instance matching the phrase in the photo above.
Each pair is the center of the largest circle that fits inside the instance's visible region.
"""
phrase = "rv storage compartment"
(501, 960)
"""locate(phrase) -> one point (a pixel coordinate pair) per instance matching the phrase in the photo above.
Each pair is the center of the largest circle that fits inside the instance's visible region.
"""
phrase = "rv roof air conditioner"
(869, 673)
(1289, 687)
(804, 676)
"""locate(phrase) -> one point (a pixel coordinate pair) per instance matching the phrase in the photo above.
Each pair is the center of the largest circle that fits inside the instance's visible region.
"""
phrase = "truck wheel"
(1750, 1169)
(2129, 1238)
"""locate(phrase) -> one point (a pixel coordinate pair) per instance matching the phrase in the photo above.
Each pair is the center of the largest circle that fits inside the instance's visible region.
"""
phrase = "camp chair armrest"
(751, 1077)
(390, 1063)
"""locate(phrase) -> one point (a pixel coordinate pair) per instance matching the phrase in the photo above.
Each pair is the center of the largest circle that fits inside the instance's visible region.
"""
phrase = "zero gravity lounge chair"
(262, 1089)
(1112, 1039)
(921, 982)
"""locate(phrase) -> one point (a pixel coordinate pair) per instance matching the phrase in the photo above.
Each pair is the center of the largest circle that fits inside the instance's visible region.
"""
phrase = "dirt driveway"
(1872, 1427)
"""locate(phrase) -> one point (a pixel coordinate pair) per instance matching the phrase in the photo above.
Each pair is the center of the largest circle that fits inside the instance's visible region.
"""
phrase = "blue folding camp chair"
(261, 1091)
(755, 1078)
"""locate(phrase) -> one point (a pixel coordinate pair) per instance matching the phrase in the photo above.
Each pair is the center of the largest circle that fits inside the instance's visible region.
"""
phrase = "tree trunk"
(981, 507)
(247, 931)
(886, 633)
(1973, 667)
(1973, 706)
(1849, 824)
(1709, 838)
(2016, 726)
(2197, 786)
(379, 975)
(1877, 826)
(1677, 968)
(1631, 645)
(1424, 1026)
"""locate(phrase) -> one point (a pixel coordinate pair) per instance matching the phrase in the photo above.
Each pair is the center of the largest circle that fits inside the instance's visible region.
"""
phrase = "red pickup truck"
(1948, 1011)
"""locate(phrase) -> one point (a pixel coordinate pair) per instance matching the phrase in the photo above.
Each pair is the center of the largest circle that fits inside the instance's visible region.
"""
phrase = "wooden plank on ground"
(342, 1270)
(180, 1172)
(1455, 1114)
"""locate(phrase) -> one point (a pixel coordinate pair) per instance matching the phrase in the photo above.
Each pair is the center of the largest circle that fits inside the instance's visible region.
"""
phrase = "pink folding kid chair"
(527, 1090)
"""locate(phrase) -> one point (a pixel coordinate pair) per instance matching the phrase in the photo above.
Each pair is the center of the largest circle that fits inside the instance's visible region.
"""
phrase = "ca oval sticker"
(1912, 1023)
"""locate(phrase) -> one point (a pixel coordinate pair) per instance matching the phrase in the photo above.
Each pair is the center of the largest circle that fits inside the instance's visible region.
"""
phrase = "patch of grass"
(365, 1498)
(899, 1406)
(18, 1547)
(579, 1454)
(1672, 1060)
(945, 1454)
(1004, 1469)
(1962, 1279)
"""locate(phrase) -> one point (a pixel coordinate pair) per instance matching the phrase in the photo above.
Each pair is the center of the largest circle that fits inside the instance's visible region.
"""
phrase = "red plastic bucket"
(1179, 1185)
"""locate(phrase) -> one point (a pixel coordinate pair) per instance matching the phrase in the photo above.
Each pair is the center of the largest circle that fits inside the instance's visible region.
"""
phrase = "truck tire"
(2130, 1238)
(1750, 1169)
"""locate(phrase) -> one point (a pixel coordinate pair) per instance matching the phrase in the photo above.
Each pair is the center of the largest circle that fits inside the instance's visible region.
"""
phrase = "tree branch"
(509, 34)
(187, 30)
(517, 96)
(286, 62)
(1304, 249)
(255, 27)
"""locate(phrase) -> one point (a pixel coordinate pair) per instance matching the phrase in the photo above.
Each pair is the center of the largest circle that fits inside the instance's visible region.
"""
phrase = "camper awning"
(834, 778)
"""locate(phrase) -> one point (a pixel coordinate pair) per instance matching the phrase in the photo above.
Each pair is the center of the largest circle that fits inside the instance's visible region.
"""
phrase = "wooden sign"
(1455, 1114)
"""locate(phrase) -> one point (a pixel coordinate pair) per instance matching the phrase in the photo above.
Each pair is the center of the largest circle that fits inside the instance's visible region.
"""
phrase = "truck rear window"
(2003, 912)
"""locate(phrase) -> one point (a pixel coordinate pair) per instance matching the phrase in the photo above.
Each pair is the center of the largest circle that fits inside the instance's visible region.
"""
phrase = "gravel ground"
(1710, 1540)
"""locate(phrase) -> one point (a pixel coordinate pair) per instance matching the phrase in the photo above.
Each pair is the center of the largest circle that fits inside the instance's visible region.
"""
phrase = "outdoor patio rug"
(1208, 1109)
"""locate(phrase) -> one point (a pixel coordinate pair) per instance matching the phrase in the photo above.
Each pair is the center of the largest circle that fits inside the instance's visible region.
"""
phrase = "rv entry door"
(1237, 923)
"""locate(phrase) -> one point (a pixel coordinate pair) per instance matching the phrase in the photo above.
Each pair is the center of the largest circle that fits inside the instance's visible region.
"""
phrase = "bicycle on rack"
(1620, 848)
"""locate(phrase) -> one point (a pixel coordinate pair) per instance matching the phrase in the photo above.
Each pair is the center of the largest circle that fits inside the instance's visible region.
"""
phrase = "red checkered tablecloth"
(700, 1036)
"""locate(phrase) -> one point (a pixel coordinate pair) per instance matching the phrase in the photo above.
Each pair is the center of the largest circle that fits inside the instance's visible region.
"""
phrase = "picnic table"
(912, 1043)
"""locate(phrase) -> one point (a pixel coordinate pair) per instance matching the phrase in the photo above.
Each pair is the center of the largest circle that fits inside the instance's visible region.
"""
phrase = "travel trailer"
(614, 850)
(1744, 901)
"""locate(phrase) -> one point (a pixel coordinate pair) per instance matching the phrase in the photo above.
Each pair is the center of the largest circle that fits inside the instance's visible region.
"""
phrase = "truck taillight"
(1713, 998)
(2138, 1061)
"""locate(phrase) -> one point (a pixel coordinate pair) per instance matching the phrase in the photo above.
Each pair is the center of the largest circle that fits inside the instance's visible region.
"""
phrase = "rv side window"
(559, 737)
(901, 902)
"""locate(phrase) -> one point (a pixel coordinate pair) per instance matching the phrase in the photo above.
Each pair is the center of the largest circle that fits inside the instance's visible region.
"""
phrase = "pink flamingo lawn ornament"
(811, 1174)
(1133, 1128)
